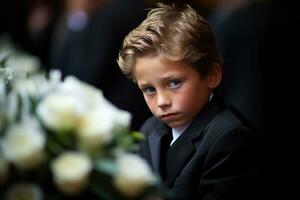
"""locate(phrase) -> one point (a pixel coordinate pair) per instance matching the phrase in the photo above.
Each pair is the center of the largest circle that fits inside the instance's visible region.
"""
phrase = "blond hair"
(176, 33)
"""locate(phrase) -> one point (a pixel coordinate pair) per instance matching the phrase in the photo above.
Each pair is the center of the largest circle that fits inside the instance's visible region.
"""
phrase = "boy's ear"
(215, 76)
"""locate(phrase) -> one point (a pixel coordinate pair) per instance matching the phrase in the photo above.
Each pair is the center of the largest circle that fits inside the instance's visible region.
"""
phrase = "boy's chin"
(176, 124)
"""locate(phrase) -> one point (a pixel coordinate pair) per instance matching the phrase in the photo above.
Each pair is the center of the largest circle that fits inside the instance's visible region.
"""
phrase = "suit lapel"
(205, 116)
(178, 155)
(183, 148)
(155, 146)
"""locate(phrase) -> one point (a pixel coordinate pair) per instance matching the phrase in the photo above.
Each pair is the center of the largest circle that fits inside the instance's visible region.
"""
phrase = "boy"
(201, 148)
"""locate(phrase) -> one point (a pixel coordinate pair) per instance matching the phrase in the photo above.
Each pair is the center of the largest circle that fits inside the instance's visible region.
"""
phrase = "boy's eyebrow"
(143, 85)
(161, 79)
(171, 76)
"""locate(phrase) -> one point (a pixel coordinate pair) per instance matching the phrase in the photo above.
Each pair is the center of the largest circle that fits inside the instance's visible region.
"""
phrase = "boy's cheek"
(182, 103)
(151, 105)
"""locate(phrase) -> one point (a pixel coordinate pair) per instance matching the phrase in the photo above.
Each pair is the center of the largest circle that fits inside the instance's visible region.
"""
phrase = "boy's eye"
(148, 90)
(174, 83)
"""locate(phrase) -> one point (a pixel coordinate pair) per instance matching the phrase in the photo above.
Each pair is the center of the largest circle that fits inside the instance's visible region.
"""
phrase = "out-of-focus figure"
(86, 43)
(29, 24)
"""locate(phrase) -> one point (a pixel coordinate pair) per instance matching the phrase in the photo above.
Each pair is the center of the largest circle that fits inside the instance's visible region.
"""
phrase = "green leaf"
(106, 166)
(53, 147)
(138, 136)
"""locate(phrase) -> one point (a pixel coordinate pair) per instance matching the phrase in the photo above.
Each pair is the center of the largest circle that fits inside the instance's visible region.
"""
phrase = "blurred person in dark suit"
(86, 43)
(237, 25)
(29, 24)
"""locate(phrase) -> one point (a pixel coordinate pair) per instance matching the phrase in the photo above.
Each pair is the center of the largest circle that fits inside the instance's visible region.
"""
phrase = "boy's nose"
(163, 100)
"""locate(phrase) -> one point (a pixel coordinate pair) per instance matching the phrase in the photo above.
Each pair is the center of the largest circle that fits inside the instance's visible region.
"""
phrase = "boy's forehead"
(162, 63)
(150, 68)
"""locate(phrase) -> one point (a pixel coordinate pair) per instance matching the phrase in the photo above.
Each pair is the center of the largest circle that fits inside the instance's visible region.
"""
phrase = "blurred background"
(83, 37)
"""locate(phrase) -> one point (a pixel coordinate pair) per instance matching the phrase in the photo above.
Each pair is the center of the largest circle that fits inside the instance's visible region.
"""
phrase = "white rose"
(9, 102)
(37, 85)
(117, 118)
(100, 119)
(88, 94)
(98, 126)
(60, 111)
(133, 174)
(23, 63)
(72, 99)
(55, 77)
(26, 85)
(71, 171)
(23, 145)
(93, 131)
(11, 106)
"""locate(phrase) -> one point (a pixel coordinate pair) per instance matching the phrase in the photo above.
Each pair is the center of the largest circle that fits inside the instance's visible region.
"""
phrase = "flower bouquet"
(64, 140)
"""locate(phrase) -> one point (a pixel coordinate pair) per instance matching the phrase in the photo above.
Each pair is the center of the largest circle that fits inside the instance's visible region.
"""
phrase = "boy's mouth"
(168, 116)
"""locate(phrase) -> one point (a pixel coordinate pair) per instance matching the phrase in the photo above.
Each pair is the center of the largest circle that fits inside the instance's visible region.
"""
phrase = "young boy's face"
(173, 90)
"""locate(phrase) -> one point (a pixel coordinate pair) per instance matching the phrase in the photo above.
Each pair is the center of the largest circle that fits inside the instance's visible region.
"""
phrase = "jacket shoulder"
(230, 118)
(150, 124)
(227, 124)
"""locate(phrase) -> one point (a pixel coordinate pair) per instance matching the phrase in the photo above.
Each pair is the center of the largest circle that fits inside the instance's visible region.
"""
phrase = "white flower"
(75, 105)
(11, 106)
(116, 118)
(133, 174)
(88, 94)
(71, 171)
(93, 131)
(61, 109)
(37, 86)
(26, 85)
(69, 106)
(60, 112)
(54, 79)
(100, 125)
(23, 144)
(23, 64)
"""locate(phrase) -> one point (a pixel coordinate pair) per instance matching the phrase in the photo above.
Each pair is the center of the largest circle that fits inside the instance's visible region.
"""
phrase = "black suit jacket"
(217, 156)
